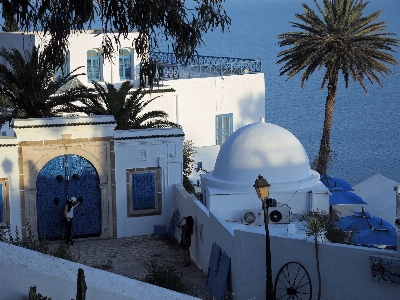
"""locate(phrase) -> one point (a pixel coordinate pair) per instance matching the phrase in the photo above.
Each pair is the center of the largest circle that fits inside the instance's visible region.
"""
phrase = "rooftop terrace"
(204, 66)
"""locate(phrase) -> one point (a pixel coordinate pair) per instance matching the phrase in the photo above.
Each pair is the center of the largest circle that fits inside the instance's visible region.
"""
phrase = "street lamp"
(262, 186)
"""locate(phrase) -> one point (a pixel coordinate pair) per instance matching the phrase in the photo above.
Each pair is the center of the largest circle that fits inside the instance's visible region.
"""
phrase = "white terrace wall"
(56, 278)
(141, 150)
(346, 272)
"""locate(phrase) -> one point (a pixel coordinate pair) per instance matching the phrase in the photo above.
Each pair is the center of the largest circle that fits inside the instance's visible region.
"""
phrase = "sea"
(365, 133)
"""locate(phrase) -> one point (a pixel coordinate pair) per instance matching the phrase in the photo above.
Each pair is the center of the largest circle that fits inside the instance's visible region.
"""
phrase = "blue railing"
(204, 66)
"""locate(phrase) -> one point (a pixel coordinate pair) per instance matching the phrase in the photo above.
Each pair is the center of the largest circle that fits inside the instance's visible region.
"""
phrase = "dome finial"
(262, 119)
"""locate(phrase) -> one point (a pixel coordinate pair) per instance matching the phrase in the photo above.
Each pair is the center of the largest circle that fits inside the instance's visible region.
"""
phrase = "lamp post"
(262, 186)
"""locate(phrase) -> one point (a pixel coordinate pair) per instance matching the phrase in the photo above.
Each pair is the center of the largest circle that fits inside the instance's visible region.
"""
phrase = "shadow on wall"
(249, 108)
(7, 166)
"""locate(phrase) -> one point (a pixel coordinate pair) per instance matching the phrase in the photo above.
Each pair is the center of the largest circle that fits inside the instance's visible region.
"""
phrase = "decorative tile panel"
(144, 191)
(385, 269)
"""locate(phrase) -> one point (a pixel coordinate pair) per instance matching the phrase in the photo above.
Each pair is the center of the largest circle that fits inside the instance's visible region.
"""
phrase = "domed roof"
(261, 148)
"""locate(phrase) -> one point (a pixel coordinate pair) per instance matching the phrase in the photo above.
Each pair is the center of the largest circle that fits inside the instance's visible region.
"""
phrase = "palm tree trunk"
(325, 146)
(318, 270)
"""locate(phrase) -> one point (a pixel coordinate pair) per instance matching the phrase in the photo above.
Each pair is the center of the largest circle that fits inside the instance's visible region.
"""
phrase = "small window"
(223, 127)
(93, 65)
(144, 192)
(4, 204)
(125, 64)
(63, 71)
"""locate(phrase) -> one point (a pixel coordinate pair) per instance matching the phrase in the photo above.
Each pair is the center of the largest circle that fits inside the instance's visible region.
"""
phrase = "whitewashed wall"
(9, 168)
(35, 133)
(230, 204)
(163, 151)
(198, 100)
(346, 272)
(79, 43)
(56, 278)
(10, 40)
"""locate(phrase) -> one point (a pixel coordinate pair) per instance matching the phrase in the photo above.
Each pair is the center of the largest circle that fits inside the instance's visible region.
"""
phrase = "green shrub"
(332, 232)
(167, 276)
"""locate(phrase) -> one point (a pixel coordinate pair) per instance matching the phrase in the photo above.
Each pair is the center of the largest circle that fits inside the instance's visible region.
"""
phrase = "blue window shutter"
(223, 127)
(93, 65)
(1, 204)
(63, 71)
(143, 191)
(125, 64)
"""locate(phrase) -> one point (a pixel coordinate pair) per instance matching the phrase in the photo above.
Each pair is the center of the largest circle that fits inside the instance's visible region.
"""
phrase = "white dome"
(261, 148)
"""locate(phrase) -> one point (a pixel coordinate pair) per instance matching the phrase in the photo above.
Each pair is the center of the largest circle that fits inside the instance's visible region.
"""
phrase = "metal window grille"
(143, 191)
(124, 64)
(93, 65)
(223, 127)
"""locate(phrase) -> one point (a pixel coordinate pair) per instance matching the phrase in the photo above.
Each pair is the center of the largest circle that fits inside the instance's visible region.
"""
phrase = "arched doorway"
(62, 177)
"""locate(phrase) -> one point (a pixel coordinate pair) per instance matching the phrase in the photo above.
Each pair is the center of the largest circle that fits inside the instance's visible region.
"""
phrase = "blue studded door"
(63, 177)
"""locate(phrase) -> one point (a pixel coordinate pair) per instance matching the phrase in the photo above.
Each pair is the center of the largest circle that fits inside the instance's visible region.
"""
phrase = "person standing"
(69, 214)
(186, 225)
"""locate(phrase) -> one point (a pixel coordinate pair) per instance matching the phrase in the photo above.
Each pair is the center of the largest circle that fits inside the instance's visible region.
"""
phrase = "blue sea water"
(366, 128)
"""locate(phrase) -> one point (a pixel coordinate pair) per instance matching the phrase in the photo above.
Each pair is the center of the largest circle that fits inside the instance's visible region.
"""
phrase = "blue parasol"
(333, 182)
(370, 230)
(340, 196)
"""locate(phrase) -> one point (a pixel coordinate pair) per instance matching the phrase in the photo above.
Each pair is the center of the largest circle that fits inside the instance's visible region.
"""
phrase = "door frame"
(98, 151)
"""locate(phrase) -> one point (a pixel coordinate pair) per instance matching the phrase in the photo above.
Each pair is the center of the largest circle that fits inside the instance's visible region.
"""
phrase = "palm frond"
(340, 36)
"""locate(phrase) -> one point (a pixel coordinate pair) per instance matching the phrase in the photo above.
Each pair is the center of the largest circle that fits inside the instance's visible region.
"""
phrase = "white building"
(52, 159)
(84, 53)
(276, 154)
(208, 107)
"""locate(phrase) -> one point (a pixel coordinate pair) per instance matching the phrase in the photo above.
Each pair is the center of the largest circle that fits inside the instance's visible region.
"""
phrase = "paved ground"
(126, 257)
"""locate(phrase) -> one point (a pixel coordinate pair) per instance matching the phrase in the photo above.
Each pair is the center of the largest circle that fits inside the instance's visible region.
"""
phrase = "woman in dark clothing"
(186, 237)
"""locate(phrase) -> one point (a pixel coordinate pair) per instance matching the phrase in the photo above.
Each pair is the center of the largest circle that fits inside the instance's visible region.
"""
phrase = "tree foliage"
(188, 162)
(10, 23)
(126, 105)
(180, 22)
(28, 88)
(337, 38)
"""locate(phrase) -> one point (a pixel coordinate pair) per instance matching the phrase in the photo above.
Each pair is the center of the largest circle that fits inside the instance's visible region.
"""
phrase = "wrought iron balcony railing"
(204, 66)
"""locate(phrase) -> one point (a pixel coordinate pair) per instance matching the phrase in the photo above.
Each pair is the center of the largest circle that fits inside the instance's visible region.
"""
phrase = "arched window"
(125, 65)
(93, 65)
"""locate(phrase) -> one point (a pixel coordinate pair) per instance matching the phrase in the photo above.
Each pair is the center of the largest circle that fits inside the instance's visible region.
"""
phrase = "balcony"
(204, 66)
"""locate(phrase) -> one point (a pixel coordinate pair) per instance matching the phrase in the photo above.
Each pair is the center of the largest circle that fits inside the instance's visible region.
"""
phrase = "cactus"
(34, 296)
(81, 286)
(80, 292)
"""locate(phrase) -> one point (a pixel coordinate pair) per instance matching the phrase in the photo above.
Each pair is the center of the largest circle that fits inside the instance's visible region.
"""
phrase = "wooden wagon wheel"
(293, 282)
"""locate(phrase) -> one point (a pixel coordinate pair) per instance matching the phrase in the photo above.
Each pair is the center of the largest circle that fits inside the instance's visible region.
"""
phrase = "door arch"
(60, 178)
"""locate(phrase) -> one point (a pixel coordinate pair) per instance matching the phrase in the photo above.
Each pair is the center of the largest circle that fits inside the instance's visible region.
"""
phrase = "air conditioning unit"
(253, 217)
(279, 215)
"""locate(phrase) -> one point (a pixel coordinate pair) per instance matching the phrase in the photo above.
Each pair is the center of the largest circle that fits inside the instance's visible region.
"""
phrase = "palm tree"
(315, 226)
(10, 23)
(342, 39)
(28, 89)
(126, 106)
